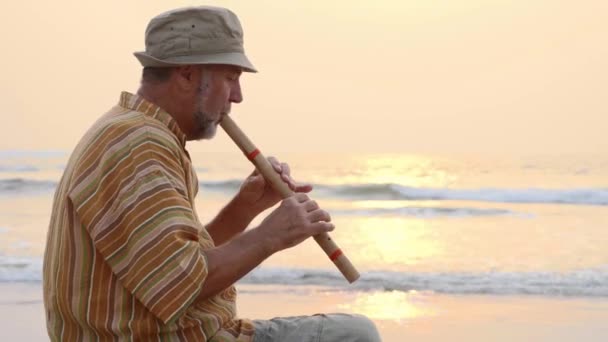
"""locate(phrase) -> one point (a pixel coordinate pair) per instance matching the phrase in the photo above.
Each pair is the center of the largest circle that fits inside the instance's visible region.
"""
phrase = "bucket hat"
(195, 35)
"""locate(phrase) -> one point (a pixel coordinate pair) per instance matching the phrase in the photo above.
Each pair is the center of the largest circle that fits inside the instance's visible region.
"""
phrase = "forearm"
(230, 221)
(231, 261)
(296, 219)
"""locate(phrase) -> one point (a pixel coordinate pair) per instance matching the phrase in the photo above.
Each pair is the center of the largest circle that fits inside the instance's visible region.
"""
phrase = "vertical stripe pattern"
(125, 253)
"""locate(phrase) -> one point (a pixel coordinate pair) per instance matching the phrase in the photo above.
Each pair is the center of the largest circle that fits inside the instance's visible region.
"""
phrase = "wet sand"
(399, 316)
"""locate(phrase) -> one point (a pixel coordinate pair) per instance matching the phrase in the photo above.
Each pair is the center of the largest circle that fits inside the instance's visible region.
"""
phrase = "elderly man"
(126, 256)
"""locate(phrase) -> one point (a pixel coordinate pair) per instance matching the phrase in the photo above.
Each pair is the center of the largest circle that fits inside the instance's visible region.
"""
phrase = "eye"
(233, 75)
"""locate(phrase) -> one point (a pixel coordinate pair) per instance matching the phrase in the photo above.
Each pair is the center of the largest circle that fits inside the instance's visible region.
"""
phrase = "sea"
(458, 224)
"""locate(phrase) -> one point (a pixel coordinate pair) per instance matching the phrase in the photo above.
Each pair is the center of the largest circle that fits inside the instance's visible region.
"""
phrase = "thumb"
(255, 172)
(255, 181)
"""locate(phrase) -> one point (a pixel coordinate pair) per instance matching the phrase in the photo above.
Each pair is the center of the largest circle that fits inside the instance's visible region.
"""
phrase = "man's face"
(218, 89)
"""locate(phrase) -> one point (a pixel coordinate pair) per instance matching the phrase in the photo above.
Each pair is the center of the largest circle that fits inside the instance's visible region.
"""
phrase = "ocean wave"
(591, 282)
(589, 196)
(20, 269)
(579, 283)
(18, 168)
(428, 212)
(25, 186)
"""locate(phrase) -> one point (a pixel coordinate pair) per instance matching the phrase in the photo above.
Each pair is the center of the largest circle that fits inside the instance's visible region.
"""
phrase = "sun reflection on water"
(407, 170)
(393, 243)
(394, 305)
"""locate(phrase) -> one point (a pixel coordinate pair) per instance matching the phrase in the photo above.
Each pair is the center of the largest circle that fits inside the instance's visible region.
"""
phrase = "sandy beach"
(399, 316)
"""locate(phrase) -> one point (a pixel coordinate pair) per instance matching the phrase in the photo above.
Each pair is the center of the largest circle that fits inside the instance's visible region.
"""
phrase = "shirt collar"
(139, 104)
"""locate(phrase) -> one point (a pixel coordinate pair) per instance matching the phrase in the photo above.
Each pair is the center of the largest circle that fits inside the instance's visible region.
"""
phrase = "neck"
(161, 95)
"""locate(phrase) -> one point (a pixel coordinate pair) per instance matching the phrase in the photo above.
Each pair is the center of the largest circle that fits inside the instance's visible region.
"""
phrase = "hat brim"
(228, 58)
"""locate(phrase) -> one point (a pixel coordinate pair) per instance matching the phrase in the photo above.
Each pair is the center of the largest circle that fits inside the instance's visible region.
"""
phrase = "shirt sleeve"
(136, 209)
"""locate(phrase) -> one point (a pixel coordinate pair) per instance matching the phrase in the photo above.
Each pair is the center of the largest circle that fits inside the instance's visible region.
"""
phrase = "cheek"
(220, 97)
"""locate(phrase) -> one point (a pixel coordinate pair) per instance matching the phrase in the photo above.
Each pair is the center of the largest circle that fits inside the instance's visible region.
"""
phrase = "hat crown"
(194, 30)
(195, 35)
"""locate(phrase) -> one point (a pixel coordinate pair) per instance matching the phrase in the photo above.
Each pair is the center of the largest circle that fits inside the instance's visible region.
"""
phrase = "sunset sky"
(407, 76)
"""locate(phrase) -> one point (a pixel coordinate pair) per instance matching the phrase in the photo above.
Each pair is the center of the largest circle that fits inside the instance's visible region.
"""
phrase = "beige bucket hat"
(195, 35)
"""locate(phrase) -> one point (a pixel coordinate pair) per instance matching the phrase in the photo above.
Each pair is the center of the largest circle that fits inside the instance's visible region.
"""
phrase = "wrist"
(268, 241)
(232, 219)
(244, 208)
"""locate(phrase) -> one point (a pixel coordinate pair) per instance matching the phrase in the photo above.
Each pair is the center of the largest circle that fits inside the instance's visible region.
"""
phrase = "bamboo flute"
(328, 245)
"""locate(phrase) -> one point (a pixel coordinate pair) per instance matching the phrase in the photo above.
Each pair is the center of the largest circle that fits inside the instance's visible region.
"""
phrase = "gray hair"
(156, 74)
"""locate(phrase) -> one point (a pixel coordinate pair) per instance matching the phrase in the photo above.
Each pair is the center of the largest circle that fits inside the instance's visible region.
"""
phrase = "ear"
(188, 78)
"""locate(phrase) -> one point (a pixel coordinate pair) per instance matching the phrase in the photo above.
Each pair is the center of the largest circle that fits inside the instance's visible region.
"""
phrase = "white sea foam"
(21, 186)
(579, 283)
(430, 212)
(18, 168)
(531, 195)
(591, 196)
(592, 282)
(20, 269)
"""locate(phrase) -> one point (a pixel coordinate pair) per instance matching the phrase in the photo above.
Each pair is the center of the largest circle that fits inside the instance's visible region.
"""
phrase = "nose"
(236, 96)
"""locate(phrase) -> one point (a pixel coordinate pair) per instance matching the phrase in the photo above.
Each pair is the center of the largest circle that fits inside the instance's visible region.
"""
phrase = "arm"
(296, 219)
(230, 221)
(233, 260)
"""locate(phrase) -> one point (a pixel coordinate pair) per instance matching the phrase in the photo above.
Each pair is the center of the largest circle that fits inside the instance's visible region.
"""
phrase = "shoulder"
(124, 140)
(124, 130)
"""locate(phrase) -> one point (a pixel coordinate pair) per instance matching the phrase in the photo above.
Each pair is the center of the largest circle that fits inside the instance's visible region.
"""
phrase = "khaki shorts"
(317, 328)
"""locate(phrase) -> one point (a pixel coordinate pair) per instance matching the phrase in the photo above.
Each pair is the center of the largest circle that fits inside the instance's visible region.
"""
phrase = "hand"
(257, 195)
(296, 219)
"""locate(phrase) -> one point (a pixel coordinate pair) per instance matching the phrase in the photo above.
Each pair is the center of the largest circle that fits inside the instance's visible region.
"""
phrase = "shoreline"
(399, 316)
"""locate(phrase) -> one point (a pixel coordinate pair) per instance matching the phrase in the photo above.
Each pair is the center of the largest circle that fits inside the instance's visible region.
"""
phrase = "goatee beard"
(206, 128)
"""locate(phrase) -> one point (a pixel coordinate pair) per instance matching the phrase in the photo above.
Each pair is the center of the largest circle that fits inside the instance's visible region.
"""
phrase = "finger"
(289, 181)
(255, 181)
(319, 215)
(311, 206)
(286, 174)
(321, 227)
(302, 187)
(255, 172)
(275, 164)
(301, 197)
(285, 169)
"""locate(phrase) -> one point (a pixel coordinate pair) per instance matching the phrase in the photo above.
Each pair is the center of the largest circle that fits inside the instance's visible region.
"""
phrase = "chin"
(208, 133)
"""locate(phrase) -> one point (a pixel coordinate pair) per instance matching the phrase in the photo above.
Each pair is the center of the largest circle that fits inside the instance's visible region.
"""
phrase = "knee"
(359, 328)
(366, 329)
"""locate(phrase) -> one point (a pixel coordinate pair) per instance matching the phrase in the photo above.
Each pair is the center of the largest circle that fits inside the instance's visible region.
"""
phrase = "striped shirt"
(125, 253)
